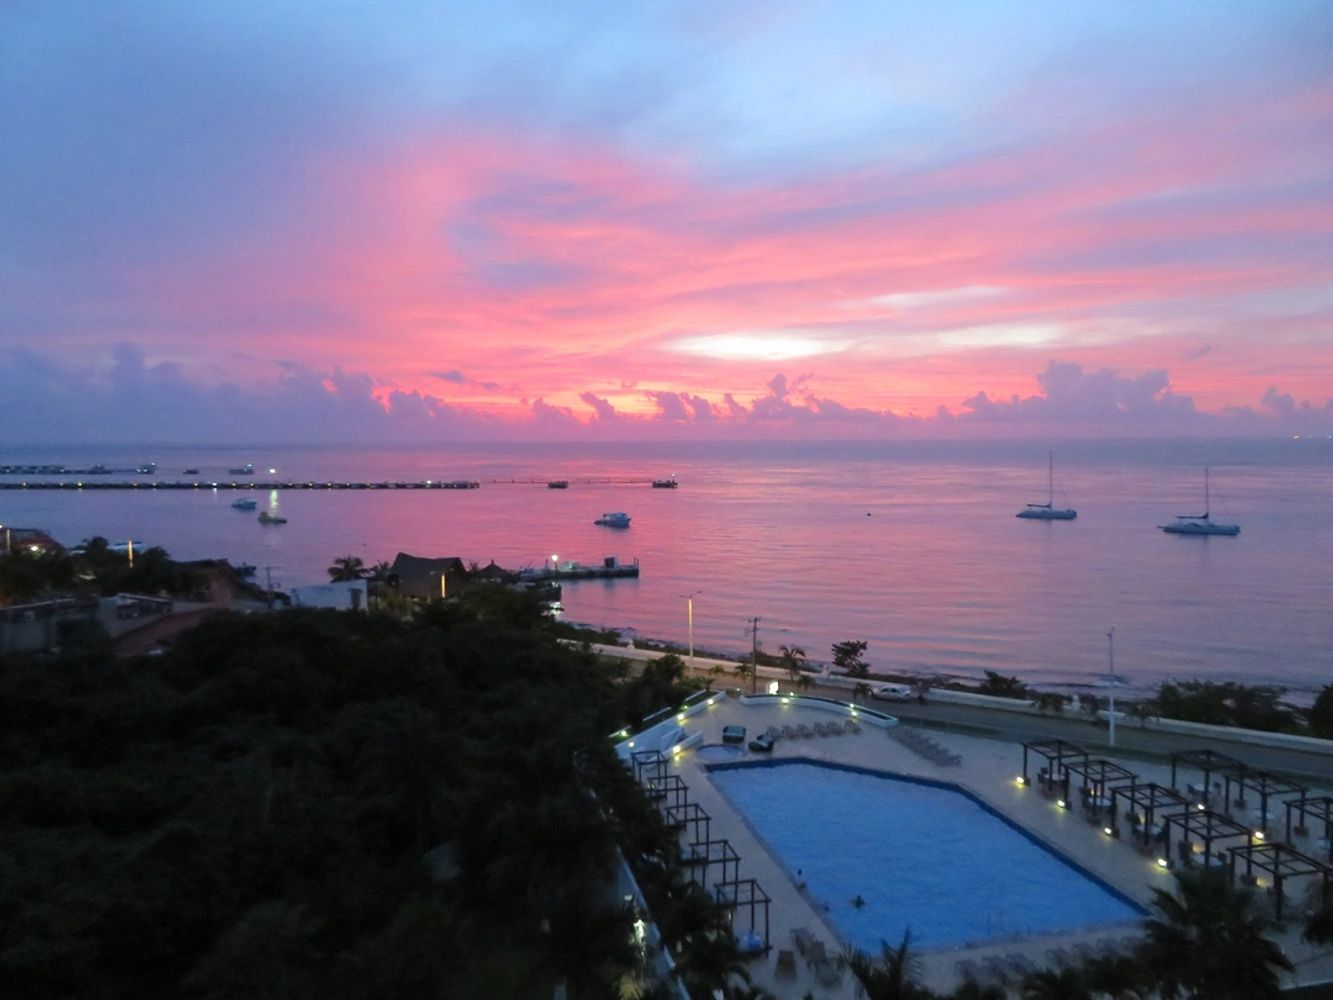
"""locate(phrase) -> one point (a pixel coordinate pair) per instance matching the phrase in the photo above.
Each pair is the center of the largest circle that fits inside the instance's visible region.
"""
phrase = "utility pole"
(689, 611)
(754, 654)
(268, 583)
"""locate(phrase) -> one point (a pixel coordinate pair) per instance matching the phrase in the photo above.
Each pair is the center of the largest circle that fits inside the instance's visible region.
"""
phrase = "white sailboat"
(1048, 511)
(1200, 524)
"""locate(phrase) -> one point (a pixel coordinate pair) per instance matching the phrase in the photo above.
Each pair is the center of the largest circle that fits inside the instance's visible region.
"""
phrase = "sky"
(428, 221)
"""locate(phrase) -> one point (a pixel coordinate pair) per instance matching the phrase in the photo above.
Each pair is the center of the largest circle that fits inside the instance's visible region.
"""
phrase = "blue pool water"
(920, 855)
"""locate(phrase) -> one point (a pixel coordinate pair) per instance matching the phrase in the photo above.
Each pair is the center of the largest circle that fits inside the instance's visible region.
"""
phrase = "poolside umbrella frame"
(1055, 753)
(1148, 799)
(1206, 761)
(714, 853)
(1207, 826)
(1282, 862)
(1098, 773)
(1263, 784)
(1316, 807)
(689, 814)
(668, 791)
(650, 763)
(746, 892)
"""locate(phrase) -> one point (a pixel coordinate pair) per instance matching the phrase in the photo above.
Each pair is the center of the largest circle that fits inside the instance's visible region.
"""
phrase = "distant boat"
(614, 519)
(247, 469)
(558, 484)
(1048, 511)
(266, 518)
(189, 472)
(1200, 524)
(665, 484)
(245, 503)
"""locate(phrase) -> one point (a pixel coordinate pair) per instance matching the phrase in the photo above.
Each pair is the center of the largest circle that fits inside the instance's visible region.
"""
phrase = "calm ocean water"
(913, 547)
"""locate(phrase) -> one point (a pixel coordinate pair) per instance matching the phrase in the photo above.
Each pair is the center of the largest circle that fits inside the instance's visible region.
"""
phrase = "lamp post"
(689, 611)
(1111, 680)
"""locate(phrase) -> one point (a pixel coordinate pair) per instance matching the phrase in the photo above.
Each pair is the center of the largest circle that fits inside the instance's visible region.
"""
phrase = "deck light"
(1108, 831)
(680, 716)
(1201, 807)
(1020, 781)
(1062, 803)
(1258, 834)
(1161, 863)
(631, 744)
(786, 701)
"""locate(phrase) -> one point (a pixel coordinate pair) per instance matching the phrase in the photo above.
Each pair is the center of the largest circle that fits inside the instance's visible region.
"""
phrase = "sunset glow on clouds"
(534, 220)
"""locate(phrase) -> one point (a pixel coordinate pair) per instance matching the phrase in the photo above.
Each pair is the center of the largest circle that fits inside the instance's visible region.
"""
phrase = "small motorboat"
(266, 518)
(189, 472)
(245, 503)
(665, 484)
(247, 469)
(558, 484)
(614, 519)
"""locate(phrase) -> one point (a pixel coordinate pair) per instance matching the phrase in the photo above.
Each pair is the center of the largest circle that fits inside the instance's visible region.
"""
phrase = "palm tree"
(893, 975)
(709, 962)
(1207, 942)
(793, 658)
(347, 568)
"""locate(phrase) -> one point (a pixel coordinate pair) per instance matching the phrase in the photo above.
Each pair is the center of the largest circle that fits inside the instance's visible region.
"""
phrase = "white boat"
(266, 518)
(614, 519)
(245, 503)
(1200, 524)
(1048, 511)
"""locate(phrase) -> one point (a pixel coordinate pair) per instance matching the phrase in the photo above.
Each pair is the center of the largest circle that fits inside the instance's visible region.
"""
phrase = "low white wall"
(1253, 737)
(860, 713)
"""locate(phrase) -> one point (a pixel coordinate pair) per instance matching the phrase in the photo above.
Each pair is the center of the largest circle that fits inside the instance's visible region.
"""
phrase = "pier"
(609, 569)
(274, 484)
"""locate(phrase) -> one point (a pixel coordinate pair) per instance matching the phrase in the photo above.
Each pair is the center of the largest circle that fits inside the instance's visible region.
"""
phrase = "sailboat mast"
(1207, 500)
(1050, 479)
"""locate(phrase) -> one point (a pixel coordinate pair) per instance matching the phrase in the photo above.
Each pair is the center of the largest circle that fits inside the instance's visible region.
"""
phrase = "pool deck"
(987, 770)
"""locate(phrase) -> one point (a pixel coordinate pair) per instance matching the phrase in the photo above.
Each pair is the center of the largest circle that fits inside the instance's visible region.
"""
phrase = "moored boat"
(1200, 524)
(1048, 511)
(613, 519)
(665, 484)
(245, 503)
(266, 518)
(558, 484)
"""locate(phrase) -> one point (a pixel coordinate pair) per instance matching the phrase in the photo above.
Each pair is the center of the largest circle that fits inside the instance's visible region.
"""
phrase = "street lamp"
(689, 610)
(1112, 681)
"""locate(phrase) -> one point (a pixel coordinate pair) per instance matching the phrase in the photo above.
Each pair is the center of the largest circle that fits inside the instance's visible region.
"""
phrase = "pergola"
(1055, 753)
(1206, 761)
(1263, 784)
(1147, 800)
(1282, 862)
(689, 814)
(668, 791)
(1318, 808)
(1206, 826)
(1098, 774)
(652, 763)
(746, 894)
(703, 856)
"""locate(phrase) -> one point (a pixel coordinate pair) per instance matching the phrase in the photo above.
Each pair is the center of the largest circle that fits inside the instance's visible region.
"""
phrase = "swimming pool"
(915, 854)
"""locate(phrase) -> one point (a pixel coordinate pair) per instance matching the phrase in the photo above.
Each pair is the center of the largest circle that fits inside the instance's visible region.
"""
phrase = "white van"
(891, 692)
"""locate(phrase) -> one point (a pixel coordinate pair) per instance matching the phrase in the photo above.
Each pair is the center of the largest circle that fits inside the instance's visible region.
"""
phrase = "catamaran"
(1200, 524)
(1048, 511)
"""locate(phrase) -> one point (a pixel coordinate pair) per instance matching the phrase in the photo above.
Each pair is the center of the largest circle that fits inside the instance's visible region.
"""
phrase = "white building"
(350, 595)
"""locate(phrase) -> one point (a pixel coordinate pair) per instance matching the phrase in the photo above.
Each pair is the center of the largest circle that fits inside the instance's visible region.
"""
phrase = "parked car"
(733, 734)
(763, 743)
(891, 692)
